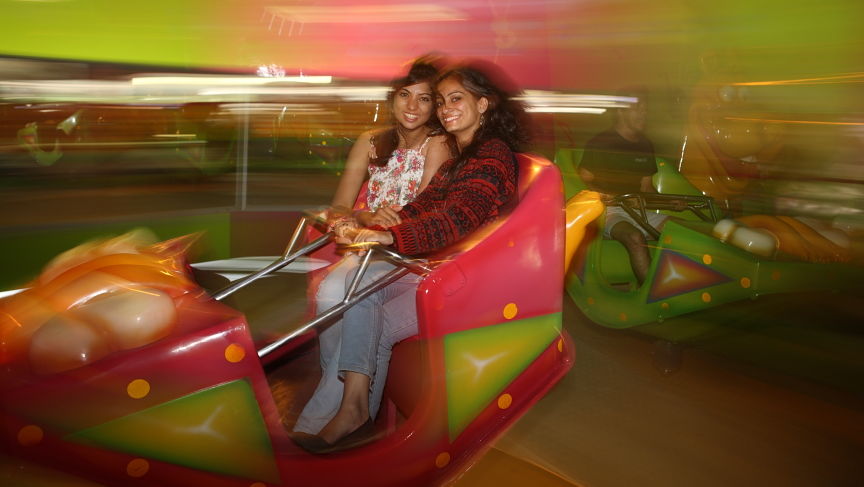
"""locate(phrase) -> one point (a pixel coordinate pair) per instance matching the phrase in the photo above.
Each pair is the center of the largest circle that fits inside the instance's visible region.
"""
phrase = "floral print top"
(397, 182)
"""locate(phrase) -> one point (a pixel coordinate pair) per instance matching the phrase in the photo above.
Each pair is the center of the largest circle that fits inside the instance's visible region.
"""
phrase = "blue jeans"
(362, 341)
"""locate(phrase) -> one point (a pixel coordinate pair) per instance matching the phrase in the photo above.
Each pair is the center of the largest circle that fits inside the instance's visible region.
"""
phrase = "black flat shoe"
(359, 437)
(319, 446)
(311, 443)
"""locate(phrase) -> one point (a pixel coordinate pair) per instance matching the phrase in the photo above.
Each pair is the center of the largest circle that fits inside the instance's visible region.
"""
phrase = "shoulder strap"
(423, 145)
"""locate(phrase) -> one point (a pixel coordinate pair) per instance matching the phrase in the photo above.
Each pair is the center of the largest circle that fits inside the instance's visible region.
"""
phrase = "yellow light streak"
(806, 122)
(16, 322)
(841, 78)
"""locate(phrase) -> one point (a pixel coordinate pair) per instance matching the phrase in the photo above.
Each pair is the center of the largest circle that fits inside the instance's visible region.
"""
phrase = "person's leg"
(400, 322)
(359, 404)
(325, 401)
(362, 328)
(363, 323)
(634, 243)
(353, 410)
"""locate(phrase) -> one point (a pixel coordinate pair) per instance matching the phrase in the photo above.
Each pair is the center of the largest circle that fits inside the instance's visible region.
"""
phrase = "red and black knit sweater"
(448, 210)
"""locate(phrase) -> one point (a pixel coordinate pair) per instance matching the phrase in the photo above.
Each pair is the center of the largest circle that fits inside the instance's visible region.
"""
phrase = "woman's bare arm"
(356, 167)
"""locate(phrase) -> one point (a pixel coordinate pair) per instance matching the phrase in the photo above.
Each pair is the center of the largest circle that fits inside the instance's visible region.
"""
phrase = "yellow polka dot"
(664, 305)
(504, 401)
(511, 243)
(560, 345)
(775, 275)
(622, 317)
(745, 282)
(442, 460)
(234, 353)
(706, 259)
(138, 388)
(137, 468)
(667, 239)
(706, 297)
(323, 142)
(591, 301)
(661, 164)
(510, 310)
(30, 435)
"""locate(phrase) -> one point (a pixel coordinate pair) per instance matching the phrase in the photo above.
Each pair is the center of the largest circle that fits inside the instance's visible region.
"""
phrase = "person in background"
(620, 160)
(469, 191)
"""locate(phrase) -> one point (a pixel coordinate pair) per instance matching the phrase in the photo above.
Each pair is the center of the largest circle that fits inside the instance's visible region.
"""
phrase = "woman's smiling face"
(459, 110)
(412, 105)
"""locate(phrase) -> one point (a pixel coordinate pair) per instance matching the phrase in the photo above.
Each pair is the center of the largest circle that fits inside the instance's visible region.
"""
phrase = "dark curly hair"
(505, 119)
(423, 70)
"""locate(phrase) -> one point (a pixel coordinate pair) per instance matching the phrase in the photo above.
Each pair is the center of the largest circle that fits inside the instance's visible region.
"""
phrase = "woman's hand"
(355, 239)
(364, 218)
(364, 235)
(345, 228)
(386, 216)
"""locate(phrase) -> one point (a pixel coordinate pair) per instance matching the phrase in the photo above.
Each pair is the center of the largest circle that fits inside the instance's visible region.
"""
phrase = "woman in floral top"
(399, 161)
(398, 182)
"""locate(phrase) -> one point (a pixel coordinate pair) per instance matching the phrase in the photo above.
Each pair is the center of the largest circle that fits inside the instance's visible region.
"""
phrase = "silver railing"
(353, 294)
(636, 205)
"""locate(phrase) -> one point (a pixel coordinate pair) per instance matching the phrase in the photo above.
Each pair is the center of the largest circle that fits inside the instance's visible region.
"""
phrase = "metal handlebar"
(352, 294)
(273, 267)
(404, 264)
(636, 204)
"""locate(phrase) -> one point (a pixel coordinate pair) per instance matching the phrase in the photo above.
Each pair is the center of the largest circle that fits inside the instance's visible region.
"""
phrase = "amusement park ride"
(159, 383)
(117, 367)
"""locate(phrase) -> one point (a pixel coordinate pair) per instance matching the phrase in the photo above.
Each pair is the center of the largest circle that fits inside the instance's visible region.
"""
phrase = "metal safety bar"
(340, 308)
(298, 233)
(660, 201)
(352, 294)
(275, 265)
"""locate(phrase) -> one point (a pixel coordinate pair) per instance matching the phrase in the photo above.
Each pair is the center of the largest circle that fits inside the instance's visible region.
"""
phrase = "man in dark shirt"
(621, 161)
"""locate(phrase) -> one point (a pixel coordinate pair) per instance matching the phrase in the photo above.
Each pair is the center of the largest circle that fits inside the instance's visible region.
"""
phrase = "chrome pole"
(334, 311)
(273, 267)
(298, 232)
